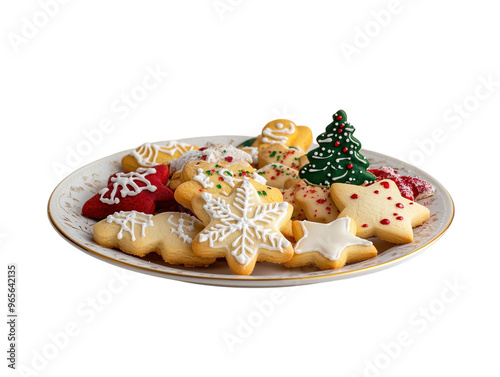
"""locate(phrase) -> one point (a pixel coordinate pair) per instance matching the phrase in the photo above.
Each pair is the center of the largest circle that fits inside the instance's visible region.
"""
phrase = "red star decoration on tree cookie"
(143, 190)
(379, 210)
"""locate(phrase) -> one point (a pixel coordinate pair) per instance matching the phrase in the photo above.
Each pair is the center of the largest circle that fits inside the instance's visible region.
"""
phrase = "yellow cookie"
(285, 132)
(329, 246)
(218, 178)
(379, 210)
(170, 234)
(175, 181)
(277, 174)
(280, 154)
(289, 197)
(316, 203)
(150, 154)
(242, 228)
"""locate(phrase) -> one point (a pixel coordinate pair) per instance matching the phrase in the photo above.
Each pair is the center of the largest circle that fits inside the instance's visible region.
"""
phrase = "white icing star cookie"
(329, 246)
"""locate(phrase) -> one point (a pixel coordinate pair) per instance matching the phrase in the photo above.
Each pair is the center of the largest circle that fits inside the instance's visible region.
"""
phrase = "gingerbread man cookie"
(170, 234)
(379, 210)
(285, 132)
(329, 246)
(242, 228)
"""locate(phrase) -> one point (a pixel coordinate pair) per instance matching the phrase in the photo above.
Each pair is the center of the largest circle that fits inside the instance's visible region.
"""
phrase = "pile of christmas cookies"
(265, 200)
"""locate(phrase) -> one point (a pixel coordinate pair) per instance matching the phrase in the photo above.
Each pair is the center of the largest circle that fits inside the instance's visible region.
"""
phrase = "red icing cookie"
(412, 188)
(143, 190)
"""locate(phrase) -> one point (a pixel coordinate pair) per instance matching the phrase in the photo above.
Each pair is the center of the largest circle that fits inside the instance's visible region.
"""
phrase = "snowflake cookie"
(170, 234)
(379, 210)
(242, 228)
(330, 245)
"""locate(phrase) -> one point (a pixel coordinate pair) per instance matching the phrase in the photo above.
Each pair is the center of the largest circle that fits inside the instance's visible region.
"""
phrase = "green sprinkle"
(218, 186)
(272, 154)
(208, 172)
(264, 193)
(260, 193)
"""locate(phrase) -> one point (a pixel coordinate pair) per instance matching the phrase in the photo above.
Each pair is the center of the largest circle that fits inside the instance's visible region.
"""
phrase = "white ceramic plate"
(65, 203)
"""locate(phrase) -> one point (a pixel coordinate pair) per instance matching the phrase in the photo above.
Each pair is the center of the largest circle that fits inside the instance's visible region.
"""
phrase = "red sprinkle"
(345, 149)
(354, 196)
(394, 214)
(365, 225)
(204, 157)
(221, 179)
(339, 117)
(400, 205)
(411, 203)
(321, 201)
(202, 149)
(389, 198)
(385, 184)
(350, 166)
(228, 159)
(376, 192)
(337, 143)
(399, 218)
(385, 222)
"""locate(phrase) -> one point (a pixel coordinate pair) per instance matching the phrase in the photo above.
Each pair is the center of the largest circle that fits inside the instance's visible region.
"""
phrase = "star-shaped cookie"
(242, 228)
(330, 245)
(379, 210)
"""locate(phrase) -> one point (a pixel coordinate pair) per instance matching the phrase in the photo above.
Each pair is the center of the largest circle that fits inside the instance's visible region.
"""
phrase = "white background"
(231, 70)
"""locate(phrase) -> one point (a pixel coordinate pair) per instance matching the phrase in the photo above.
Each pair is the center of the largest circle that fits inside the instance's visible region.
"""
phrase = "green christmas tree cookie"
(337, 158)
